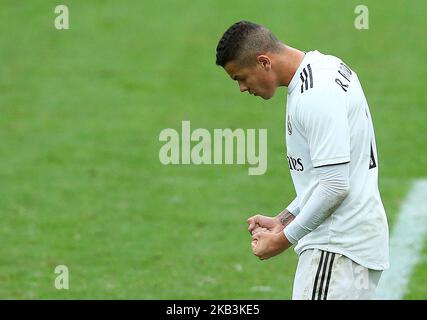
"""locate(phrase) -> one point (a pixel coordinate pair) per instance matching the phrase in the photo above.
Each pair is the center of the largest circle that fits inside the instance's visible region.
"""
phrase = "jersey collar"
(295, 78)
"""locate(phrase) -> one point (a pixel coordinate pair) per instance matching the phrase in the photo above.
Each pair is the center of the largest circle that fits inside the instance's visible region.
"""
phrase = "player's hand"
(267, 244)
(260, 223)
(259, 229)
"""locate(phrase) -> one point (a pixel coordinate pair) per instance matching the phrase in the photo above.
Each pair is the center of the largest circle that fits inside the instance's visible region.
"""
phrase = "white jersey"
(328, 122)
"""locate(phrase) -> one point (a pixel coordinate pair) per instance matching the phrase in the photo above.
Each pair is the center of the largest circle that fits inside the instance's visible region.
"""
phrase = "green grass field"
(81, 112)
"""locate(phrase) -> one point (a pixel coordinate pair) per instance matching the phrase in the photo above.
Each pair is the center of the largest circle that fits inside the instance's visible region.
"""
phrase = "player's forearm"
(288, 214)
(285, 217)
(331, 191)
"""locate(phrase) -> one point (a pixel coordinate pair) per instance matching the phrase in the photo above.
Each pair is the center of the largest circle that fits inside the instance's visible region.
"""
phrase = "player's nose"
(243, 88)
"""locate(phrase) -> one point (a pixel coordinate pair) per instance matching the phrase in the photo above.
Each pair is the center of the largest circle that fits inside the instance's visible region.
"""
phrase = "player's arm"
(331, 191)
(287, 215)
(322, 114)
(276, 224)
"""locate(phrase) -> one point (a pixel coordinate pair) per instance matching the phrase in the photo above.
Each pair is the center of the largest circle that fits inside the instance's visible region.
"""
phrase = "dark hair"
(242, 41)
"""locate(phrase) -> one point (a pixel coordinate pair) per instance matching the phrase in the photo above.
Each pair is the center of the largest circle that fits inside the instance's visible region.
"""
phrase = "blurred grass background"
(81, 112)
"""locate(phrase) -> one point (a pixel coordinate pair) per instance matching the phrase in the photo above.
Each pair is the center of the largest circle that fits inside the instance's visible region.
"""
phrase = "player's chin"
(267, 95)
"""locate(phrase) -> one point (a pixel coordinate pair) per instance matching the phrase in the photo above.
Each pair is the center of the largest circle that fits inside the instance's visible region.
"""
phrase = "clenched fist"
(269, 244)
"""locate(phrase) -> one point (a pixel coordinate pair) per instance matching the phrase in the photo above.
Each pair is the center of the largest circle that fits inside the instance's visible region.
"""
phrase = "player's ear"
(264, 61)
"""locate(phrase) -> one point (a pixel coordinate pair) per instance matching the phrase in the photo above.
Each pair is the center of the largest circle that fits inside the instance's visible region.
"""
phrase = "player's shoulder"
(317, 73)
(317, 77)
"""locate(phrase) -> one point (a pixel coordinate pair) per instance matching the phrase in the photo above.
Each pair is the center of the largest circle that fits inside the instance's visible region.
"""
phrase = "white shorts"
(323, 275)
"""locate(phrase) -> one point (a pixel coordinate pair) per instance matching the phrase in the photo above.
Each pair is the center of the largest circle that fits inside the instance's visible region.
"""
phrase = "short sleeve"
(323, 117)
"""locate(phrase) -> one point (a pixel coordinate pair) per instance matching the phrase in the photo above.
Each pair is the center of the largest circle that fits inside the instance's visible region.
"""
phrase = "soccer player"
(337, 220)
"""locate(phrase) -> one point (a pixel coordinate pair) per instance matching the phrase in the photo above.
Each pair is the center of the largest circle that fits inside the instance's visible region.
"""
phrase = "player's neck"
(291, 59)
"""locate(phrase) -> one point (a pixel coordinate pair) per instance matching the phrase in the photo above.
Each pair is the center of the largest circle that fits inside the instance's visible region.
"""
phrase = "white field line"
(406, 243)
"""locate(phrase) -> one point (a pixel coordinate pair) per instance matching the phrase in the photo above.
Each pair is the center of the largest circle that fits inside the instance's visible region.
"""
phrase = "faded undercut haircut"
(243, 41)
